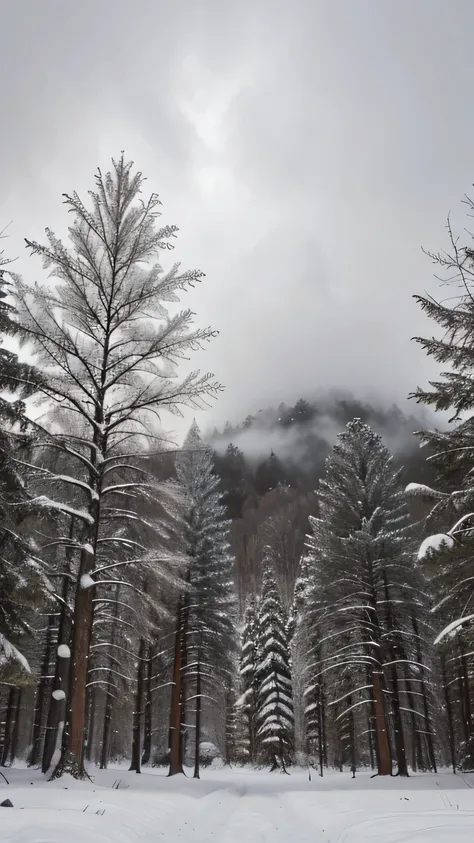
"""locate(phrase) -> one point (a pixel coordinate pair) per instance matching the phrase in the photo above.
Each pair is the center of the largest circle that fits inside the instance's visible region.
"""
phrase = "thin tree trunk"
(397, 715)
(384, 759)
(91, 722)
(9, 717)
(42, 693)
(449, 714)
(105, 748)
(197, 737)
(16, 728)
(137, 714)
(148, 725)
(109, 699)
(426, 711)
(57, 708)
(320, 730)
(176, 759)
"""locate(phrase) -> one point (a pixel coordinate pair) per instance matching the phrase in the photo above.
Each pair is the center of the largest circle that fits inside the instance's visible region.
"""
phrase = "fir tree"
(447, 552)
(22, 580)
(365, 592)
(275, 716)
(249, 659)
(108, 350)
(209, 605)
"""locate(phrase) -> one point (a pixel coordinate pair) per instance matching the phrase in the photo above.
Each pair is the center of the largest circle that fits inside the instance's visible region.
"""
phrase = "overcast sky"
(306, 149)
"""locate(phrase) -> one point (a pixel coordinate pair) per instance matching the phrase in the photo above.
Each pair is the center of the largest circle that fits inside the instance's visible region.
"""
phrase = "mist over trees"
(293, 589)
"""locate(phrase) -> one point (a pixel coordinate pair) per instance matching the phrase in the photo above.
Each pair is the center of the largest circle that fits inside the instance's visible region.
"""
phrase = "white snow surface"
(433, 543)
(237, 806)
(64, 652)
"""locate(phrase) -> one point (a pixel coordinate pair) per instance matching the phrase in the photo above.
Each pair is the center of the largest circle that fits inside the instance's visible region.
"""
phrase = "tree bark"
(41, 702)
(105, 748)
(384, 759)
(9, 718)
(176, 759)
(449, 714)
(16, 728)
(57, 708)
(137, 714)
(197, 737)
(148, 721)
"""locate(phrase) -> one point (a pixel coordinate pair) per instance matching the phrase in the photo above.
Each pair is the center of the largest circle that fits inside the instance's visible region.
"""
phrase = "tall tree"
(207, 633)
(366, 589)
(22, 576)
(108, 350)
(275, 716)
(248, 701)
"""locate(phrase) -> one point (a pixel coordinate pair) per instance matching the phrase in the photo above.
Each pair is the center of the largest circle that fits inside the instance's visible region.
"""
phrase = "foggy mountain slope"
(301, 436)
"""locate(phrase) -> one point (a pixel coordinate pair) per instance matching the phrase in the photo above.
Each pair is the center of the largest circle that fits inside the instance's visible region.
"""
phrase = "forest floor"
(237, 806)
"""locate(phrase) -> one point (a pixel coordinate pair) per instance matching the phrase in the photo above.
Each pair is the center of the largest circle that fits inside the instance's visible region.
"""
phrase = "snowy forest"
(294, 589)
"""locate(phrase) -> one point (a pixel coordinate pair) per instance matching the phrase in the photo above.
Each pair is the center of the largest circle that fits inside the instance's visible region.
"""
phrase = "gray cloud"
(306, 151)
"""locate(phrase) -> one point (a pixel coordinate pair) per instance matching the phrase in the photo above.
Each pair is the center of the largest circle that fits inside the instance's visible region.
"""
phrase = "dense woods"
(293, 589)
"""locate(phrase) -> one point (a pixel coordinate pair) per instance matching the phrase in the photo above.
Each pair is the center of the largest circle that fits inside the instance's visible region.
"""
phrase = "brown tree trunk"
(197, 738)
(176, 759)
(384, 759)
(148, 724)
(137, 714)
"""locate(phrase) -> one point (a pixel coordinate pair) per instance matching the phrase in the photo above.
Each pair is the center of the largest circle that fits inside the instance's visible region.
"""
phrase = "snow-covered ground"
(237, 806)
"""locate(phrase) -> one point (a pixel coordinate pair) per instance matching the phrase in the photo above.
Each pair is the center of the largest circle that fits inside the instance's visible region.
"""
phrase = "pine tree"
(249, 659)
(447, 552)
(365, 593)
(22, 581)
(108, 351)
(207, 610)
(275, 716)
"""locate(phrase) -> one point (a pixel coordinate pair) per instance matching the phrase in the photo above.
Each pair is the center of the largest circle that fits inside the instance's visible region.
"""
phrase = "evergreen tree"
(275, 715)
(108, 350)
(365, 594)
(209, 605)
(447, 552)
(22, 580)
(249, 659)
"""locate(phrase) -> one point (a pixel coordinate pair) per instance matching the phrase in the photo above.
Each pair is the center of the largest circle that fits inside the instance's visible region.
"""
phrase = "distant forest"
(268, 488)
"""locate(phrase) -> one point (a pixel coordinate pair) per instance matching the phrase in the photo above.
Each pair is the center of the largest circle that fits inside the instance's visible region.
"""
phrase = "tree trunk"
(109, 699)
(320, 730)
(400, 750)
(105, 748)
(176, 759)
(197, 737)
(91, 722)
(16, 728)
(137, 714)
(384, 760)
(429, 731)
(57, 708)
(9, 718)
(449, 714)
(42, 694)
(148, 724)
